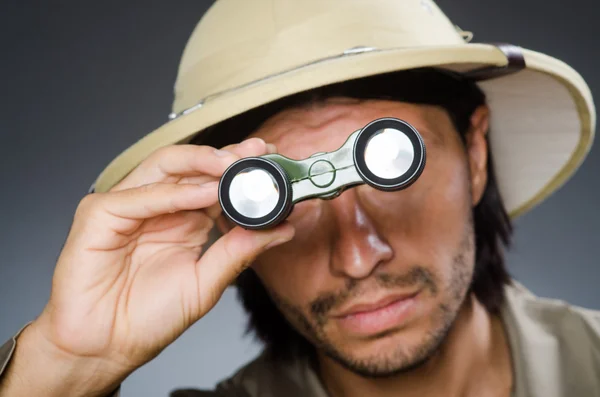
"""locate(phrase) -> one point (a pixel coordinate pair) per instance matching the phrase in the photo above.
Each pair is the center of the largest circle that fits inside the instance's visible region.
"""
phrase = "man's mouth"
(375, 316)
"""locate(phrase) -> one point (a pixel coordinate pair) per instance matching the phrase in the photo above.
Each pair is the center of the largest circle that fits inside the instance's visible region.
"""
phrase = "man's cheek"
(403, 212)
(287, 275)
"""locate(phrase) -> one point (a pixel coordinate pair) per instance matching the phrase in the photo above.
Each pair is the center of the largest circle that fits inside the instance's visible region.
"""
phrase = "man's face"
(374, 279)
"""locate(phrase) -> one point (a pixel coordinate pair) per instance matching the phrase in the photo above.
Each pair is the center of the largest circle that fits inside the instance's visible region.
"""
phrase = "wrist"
(38, 367)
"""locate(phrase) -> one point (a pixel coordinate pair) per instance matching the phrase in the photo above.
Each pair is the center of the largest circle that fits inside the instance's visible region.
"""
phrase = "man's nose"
(357, 249)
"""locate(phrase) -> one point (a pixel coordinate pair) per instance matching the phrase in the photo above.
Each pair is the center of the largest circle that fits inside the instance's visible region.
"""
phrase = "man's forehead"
(298, 130)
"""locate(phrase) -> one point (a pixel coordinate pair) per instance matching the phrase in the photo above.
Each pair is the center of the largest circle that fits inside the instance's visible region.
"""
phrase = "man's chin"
(379, 367)
(390, 353)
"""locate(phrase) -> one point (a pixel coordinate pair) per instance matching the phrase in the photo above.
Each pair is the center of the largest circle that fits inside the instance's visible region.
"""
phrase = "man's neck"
(474, 360)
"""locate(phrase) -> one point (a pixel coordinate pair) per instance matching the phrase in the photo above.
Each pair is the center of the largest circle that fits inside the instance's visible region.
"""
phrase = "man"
(369, 293)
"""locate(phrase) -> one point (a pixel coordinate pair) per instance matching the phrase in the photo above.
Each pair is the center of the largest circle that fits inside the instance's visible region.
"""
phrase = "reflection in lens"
(389, 153)
(253, 193)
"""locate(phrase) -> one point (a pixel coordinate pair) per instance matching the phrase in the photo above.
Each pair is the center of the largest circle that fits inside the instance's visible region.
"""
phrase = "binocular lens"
(254, 193)
(389, 153)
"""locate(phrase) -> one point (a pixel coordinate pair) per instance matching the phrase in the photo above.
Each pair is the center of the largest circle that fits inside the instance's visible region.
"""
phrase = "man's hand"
(130, 278)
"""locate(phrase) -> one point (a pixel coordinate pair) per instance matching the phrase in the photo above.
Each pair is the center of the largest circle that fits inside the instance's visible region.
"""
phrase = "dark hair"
(493, 229)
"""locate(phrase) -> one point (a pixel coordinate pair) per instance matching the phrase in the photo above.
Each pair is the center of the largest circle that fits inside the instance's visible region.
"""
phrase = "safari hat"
(247, 53)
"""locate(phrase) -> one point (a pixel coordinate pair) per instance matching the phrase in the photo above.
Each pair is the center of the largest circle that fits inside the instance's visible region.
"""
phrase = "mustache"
(416, 276)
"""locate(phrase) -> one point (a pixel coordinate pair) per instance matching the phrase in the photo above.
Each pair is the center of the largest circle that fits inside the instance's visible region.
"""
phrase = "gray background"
(82, 80)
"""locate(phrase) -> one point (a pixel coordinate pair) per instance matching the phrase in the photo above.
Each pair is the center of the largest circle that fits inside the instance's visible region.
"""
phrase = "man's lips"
(370, 318)
(370, 306)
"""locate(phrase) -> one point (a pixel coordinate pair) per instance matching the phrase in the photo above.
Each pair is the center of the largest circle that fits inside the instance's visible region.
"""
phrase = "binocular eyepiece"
(260, 192)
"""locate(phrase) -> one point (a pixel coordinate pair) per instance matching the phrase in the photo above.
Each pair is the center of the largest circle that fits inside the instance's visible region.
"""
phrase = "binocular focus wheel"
(389, 154)
(255, 193)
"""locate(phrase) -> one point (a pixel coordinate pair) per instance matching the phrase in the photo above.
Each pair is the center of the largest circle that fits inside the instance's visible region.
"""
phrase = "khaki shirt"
(555, 351)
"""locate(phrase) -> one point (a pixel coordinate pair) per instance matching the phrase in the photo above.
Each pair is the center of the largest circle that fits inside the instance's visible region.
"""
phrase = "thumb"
(232, 253)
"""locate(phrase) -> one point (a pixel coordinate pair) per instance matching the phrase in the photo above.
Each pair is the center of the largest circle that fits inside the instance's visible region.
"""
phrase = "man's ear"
(477, 151)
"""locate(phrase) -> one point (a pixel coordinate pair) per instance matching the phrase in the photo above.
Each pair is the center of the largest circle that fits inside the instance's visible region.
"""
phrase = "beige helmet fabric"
(245, 53)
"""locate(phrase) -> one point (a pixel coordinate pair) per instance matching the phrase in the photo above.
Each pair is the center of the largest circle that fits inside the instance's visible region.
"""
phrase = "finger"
(170, 163)
(127, 207)
(185, 227)
(197, 179)
(214, 210)
(233, 252)
(250, 147)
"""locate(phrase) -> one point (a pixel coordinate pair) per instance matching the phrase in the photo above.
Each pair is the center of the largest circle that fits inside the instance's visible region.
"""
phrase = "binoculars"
(260, 192)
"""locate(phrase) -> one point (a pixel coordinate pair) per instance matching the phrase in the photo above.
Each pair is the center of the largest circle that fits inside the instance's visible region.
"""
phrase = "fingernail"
(249, 141)
(222, 153)
(271, 148)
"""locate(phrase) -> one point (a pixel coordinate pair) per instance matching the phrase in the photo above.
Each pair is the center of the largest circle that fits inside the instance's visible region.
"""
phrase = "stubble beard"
(403, 359)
